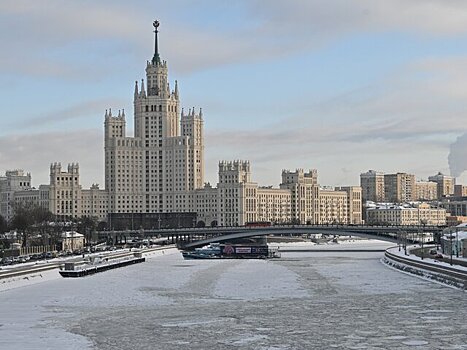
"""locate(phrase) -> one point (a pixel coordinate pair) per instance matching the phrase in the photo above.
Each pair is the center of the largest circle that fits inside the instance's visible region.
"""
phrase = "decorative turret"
(176, 89)
(143, 92)
(136, 89)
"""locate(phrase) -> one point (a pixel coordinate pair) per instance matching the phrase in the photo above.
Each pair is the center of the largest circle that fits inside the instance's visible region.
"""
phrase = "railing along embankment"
(455, 277)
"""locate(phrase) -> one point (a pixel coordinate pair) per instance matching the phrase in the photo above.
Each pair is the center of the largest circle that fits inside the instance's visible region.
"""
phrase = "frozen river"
(302, 301)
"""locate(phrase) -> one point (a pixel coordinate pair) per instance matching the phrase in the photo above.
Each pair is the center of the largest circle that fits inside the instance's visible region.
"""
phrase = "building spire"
(143, 92)
(156, 58)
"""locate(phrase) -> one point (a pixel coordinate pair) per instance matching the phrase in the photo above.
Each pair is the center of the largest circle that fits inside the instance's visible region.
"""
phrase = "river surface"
(302, 301)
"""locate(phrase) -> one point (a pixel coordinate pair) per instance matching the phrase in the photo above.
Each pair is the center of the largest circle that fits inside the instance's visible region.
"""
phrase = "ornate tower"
(159, 168)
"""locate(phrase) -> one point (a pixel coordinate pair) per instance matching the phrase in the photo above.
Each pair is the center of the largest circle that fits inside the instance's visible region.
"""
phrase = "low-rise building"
(455, 220)
(418, 214)
(455, 242)
(455, 208)
(72, 241)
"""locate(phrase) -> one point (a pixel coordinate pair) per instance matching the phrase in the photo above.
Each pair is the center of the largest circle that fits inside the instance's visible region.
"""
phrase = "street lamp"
(399, 239)
(405, 242)
(450, 246)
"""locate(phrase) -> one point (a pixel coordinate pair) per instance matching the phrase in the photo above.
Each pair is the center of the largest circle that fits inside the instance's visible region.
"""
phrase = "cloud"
(399, 123)
(35, 152)
(78, 111)
(458, 156)
(267, 31)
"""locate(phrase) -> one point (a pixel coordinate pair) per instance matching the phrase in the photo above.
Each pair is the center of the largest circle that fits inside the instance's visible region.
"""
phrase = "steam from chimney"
(458, 156)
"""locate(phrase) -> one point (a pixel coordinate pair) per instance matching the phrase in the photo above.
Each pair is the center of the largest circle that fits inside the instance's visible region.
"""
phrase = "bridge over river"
(195, 237)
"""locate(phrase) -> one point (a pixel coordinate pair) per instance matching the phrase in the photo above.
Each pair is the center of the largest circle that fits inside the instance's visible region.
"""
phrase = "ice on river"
(342, 300)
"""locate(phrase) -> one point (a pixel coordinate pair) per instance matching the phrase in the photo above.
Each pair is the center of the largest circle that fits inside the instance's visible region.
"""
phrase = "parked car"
(438, 256)
(23, 258)
(7, 261)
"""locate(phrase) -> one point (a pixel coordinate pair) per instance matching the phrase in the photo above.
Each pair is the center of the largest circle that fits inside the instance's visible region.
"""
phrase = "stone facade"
(460, 191)
(333, 207)
(237, 195)
(455, 208)
(65, 191)
(372, 184)
(445, 184)
(354, 204)
(399, 188)
(274, 204)
(404, 215)
(162, 166)
(12, 182)
(95, 203)
(67, 199)
(304, 191)
(35, 196)
(426, 190)
(207, 206)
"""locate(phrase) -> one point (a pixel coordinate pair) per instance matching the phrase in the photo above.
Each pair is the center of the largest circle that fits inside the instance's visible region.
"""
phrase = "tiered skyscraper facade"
(159, 169)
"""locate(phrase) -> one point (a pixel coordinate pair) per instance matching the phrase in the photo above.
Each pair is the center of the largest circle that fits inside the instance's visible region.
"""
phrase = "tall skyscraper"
(159, 169)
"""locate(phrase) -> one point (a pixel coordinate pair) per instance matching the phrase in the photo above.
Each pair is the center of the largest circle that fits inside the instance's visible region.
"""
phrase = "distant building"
(94, 202)
(274, 204)
(455, 242)
(39, 197)
(354, 204)
(65, 191)
(372, 184)
(460, 191)
(304, 190)
(455, 208)
(237, 194)
(455, 220)
(445, 184)
(67, 198)
(421, 214)
(13, 181)
(399, 188)
(207, 206)
(426, 191)
(72, 241)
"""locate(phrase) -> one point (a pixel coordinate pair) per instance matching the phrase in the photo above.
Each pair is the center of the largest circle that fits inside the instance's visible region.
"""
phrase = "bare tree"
(30, 217)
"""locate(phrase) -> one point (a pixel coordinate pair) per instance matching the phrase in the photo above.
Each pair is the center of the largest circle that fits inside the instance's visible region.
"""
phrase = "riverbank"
(430, 269)
(49, 271)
